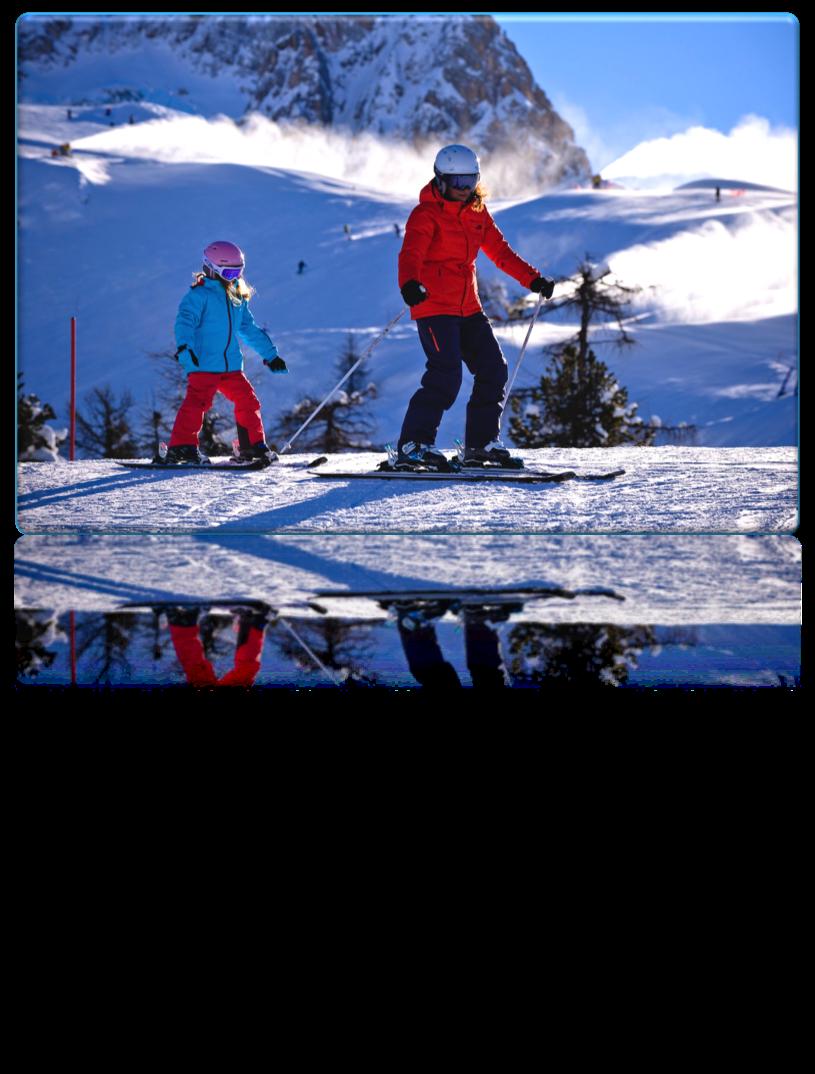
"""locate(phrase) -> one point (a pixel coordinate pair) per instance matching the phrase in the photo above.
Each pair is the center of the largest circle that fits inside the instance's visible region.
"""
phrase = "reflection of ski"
(203, 602)
(473, 594)
(518, 477)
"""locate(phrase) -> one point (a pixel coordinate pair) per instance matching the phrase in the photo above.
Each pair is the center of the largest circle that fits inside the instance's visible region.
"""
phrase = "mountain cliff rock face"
(428, 80)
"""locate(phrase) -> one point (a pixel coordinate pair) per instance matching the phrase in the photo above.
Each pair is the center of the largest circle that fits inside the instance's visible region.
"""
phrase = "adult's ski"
(519, 477)
(468, 594)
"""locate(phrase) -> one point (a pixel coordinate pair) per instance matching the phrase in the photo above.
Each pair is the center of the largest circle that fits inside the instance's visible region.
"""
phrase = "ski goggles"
(229, 273)
(463, 182)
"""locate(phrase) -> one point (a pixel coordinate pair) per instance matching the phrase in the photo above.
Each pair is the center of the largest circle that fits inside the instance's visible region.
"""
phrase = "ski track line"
(199, 506)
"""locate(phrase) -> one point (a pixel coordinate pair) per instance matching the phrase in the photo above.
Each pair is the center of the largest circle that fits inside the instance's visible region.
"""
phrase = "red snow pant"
(201, 389)
(199, 671)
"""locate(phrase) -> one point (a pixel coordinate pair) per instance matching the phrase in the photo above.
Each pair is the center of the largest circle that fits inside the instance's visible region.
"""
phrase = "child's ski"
(190, 467)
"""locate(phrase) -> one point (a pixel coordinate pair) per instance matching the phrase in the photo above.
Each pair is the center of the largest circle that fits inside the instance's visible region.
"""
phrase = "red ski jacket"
(442, 239)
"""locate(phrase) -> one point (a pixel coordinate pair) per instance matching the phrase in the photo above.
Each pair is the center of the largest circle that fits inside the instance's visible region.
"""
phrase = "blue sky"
(620, 80)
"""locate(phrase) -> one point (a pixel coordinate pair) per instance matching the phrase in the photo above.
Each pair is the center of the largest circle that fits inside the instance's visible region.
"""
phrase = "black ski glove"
(277, 365)
(413, 292)
(184, 347)
(543, 285)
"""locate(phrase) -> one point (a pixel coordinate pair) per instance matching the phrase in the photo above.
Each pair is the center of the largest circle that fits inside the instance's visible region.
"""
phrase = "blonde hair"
(480, 195)
(237, 291)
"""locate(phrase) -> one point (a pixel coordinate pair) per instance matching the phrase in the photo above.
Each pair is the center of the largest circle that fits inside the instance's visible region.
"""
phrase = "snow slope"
(668, 489)
(662, 579)
(112, 233)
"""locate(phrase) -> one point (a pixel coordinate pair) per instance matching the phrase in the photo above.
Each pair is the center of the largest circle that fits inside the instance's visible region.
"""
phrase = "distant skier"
(437, 279)
(718, 194)
(212, 316)
(398, 231)
(300, 266)
(347, 231)
(70, 114)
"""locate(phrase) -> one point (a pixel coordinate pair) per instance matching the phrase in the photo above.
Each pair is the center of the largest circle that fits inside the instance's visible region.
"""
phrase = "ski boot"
(490, 613)
(260, 455)
(183, 615)
(493, 456)
(411, 615)
(419, 457)
(181, 455)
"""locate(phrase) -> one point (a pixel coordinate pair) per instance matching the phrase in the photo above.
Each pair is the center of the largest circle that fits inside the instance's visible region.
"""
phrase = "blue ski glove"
(276, 365)
(543, 285)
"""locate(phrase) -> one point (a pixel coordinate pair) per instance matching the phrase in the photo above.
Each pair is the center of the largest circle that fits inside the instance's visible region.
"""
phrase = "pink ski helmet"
(224, 259)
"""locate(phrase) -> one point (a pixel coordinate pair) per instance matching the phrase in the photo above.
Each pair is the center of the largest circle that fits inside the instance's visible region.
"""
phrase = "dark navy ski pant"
(448, 341)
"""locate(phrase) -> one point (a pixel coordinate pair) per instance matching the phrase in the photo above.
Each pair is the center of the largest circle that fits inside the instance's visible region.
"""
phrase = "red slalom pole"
(73, 389)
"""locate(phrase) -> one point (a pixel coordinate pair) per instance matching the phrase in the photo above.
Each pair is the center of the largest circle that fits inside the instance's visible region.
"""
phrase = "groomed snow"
(667, 489)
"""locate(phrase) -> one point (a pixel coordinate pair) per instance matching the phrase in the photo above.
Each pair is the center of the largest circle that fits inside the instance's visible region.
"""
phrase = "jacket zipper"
(466, 257)
(229, 338)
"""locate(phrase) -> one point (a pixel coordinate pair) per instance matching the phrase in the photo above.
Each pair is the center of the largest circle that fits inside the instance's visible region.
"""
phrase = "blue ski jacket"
(208, 327)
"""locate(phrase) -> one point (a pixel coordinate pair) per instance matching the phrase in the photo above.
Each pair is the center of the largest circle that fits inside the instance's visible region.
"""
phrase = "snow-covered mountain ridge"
(418, 79)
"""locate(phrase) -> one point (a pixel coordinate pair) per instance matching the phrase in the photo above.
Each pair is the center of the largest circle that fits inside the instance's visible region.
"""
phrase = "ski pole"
(329, 674)
(365, 354)
(521, 355)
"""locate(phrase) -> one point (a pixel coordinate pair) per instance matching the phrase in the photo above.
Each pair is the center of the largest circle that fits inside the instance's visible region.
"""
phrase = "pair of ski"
(457, 470)
(188, 467)
(482, 474)
(234, 464)
(476, 474)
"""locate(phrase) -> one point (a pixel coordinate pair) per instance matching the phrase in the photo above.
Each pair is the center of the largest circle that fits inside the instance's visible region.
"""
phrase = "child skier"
(212, 316)
(437, 279)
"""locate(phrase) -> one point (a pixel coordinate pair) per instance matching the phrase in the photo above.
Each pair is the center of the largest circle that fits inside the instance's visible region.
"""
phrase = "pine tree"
(106, 430)
(342, 424)
(578, 402)
(36, 441)
(155, 427)
(499, 303)
(209, 439)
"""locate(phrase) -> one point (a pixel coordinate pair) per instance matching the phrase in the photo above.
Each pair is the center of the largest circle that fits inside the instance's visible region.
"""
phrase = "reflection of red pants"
(201, 389)
(198, 669)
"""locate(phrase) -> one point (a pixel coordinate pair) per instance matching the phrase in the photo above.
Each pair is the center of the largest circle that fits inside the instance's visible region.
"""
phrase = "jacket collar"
(431, 195)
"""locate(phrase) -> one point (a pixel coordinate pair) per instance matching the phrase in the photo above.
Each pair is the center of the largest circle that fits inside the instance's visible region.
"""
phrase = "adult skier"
(212, 316)
(437, 279)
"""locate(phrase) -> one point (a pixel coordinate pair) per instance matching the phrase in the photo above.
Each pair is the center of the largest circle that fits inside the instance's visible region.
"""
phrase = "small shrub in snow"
(36, 441)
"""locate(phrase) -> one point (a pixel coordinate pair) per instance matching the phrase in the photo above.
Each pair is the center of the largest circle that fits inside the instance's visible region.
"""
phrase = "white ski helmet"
(224, 259)
(456, 160)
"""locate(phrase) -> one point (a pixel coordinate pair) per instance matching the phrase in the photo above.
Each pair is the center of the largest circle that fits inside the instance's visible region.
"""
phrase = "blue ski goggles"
(229, 273)
(463, 182)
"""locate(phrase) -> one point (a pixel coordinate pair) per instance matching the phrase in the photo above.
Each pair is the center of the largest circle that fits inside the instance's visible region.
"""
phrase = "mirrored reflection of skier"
(482, 645)
(437, 279)
(185, 634)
